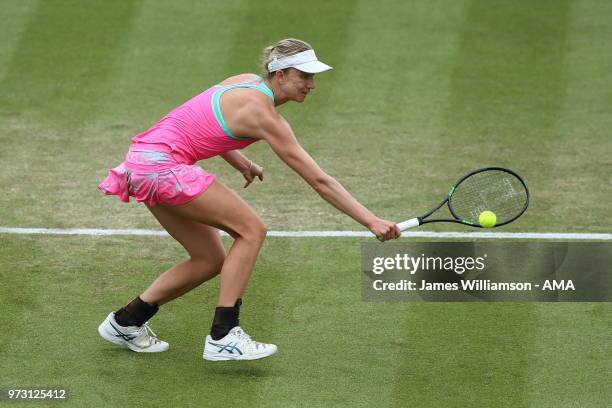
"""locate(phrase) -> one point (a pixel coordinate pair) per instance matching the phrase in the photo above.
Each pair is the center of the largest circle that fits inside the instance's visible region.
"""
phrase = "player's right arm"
(267, 124)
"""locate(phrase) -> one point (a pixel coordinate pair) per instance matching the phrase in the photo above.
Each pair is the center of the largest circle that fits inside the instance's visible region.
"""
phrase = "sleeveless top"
(196, 130)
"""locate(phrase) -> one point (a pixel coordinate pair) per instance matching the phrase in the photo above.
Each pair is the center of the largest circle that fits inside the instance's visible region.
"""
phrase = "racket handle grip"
(403, 226)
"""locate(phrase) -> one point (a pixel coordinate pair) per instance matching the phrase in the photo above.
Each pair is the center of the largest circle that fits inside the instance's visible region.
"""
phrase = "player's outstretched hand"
(385, 230)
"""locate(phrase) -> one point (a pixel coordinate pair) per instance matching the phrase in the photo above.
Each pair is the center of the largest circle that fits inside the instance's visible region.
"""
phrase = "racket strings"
(492, 190)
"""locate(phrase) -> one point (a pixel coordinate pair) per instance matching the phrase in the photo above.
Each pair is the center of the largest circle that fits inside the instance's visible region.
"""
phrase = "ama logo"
(558, 285)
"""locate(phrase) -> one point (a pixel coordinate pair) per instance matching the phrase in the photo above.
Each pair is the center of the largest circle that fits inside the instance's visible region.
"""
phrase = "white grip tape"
(403, 226)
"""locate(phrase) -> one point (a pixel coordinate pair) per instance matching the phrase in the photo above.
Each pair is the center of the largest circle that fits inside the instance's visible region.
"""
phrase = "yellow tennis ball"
(487, 219)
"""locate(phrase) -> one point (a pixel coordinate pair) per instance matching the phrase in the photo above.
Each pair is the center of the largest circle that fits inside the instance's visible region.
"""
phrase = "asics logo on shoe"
(226, 347)
(124, 336)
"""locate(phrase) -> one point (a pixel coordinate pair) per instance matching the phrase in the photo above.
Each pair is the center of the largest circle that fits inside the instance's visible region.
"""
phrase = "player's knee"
(259, 229)
(216, 263)
(208, 267)
(254, 230)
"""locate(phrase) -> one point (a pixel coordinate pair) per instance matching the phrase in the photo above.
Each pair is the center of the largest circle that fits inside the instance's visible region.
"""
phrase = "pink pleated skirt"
(155, 177)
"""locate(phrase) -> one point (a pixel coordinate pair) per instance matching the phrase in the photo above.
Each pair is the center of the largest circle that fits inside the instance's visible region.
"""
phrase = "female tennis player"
(160, 171)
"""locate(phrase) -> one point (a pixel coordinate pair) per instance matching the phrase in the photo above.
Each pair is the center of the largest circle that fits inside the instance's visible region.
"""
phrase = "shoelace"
(145, 330)
(242, 335)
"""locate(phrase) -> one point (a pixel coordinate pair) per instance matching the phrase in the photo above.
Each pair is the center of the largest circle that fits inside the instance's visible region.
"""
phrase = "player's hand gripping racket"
(492, 189)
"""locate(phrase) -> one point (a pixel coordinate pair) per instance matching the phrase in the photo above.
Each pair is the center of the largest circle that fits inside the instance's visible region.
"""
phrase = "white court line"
(300, 234)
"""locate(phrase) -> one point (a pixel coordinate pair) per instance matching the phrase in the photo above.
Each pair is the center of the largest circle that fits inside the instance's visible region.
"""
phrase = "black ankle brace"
(135, 313)
(226, 318)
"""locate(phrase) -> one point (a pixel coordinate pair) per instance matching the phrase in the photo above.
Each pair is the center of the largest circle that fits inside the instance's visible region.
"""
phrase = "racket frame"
(415, 222)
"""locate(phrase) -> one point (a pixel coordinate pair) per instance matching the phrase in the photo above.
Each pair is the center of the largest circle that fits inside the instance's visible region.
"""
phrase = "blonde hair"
(283, 48)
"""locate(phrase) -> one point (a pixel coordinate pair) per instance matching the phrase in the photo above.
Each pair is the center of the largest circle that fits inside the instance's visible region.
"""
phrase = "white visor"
(305, 61)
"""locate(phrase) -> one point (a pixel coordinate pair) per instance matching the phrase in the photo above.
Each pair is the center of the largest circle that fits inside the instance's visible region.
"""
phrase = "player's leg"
(206, 257)
(126, 326)
(220, 207)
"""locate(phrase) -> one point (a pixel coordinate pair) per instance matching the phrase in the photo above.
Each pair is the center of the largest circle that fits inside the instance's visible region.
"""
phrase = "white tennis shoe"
(237, 345)
(137, 338)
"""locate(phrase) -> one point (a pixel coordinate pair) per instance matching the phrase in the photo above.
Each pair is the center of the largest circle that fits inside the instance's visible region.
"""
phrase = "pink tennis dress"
(160, 168)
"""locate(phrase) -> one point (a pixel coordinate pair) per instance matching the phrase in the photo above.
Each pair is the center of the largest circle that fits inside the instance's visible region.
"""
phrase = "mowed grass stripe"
(504, 89)
(563, 372)
(388, 100)
(59, 72)
(174, 51)
(582, 151)
(507, 94)
(14, 22)
(64, 57)
(54, 78)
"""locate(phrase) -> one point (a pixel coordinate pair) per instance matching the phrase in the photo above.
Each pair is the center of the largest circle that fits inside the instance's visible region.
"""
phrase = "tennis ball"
(487, 219)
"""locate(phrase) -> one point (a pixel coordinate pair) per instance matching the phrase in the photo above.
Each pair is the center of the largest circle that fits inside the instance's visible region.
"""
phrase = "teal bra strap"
(262, 87)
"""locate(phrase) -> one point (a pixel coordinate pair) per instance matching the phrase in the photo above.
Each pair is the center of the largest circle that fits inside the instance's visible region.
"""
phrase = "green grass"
(334, 349)
(421, 92)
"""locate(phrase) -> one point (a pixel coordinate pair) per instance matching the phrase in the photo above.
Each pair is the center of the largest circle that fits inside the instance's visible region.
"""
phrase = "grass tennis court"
(421, 92)
(368, 354)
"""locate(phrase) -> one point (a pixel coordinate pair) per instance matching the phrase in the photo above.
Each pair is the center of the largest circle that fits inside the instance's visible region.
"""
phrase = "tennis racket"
(492, 188)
